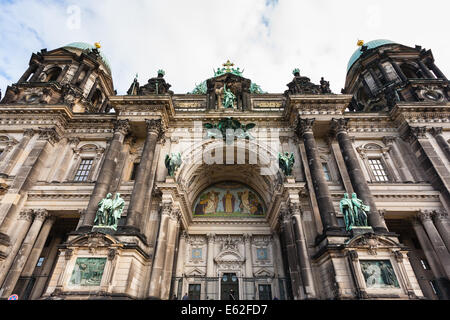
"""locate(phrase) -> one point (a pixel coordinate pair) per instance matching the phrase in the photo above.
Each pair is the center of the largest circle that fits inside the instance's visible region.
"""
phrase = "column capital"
(294, 208)
(155, 126)
(440, 214)
(184, 235)
(247, 237)
(122, 126)
(41, 214)
(211, 237)
(26, 214)
(73, 141)
(415, 133)
(49, 134)
(28, 132)
(339, 125)
(389, 140)
(435, 131)
(285, 215)
(304, 126)
(166, 208)
(425, 215)
(175, 214)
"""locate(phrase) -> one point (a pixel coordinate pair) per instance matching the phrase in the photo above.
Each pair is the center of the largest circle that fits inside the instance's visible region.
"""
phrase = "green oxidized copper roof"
(370, 45)
(88, 46)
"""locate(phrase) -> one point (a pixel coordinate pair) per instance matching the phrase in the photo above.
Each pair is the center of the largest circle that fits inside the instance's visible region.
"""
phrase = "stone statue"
(354, 211)
(173, 162)
(229, 97)
(109, 211)
(325, 86)
(346, 207)
(286, 162)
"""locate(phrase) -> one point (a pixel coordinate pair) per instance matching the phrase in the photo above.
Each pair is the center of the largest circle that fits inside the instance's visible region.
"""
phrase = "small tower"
(381, 72)
(77, 75)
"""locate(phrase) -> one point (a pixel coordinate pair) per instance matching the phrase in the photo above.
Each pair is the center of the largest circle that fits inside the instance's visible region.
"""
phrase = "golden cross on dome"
(228, 64)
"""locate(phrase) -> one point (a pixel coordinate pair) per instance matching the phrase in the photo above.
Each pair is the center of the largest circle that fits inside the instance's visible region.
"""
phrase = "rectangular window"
(83, 170)
(326, 172)
(40, 262)
(433, 287)
(134, 170)
(425, 264)
(378, 170)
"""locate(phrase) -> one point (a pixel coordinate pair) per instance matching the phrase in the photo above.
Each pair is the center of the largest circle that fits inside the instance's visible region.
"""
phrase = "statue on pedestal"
(354, 211)
(109, 212)
(286, 162)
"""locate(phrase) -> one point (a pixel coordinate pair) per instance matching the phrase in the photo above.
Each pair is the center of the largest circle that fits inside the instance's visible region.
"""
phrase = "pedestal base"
(104, 229)
(356, 231)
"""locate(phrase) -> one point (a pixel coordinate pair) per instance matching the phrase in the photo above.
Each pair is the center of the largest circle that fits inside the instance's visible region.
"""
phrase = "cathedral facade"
(227, 191)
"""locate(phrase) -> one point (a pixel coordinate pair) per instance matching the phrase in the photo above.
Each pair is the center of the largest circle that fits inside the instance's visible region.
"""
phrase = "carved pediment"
(195, 272)
(371, 242)
(94, 239)
(229, 256)
(264, 272)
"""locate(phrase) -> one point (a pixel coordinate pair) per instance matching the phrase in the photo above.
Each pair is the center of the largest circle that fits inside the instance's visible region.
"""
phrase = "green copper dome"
(87, 46)
(370, 45)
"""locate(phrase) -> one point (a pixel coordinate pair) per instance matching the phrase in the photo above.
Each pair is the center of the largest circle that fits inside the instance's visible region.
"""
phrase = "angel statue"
(173, 162)
(286, 162)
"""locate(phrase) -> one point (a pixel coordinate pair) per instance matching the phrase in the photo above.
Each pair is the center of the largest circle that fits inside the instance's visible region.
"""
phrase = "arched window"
(53, 74)
(410, 71)
(97, 98)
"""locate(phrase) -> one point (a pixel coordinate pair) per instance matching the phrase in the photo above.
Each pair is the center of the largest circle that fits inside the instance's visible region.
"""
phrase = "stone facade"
(228, 218)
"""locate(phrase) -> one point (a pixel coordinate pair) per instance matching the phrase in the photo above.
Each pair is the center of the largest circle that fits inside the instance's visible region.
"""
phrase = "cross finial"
(228, 64)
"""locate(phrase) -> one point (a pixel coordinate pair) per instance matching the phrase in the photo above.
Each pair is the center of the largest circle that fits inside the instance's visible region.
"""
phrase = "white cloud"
(190, 38)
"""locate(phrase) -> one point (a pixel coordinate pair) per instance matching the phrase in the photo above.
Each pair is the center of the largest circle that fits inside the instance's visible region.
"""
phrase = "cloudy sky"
(267, 38)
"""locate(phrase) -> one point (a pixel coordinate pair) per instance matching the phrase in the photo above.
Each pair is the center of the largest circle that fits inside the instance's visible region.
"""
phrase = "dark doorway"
(265, 292)
(229, 287)
(194, 291)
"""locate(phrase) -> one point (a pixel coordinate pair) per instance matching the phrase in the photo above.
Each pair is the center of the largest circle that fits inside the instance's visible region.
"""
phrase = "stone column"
(437, 133)
(158, 262)
(210, 285)
(37, 73)
(24, 252)
(425, 70)
(86, 77)
(293, 261)
(437, 71)
(383, 72)
(135, 209)
(174, 223)
(27, 73)
(63, 73)
(35, 253)
(405, 175)
(62, 166)
(105, 177)
(25, 177)
(432, 258)
(181, 255)
(279, 264)
(81, 67)
(302, 249)
(360, 185)
(7, 166)
(434, 168)
(443, 225)
(375, 78)
(399, 71)
(436, 241)
(22, 226)
(324, 201)
(52, 256)
(249, 287)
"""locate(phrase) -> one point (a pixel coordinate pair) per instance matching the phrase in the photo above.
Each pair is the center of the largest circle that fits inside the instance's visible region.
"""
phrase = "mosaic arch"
(229, 199)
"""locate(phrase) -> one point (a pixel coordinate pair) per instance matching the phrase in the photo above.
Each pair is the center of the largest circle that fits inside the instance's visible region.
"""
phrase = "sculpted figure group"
(354, 211)
(109, 211)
